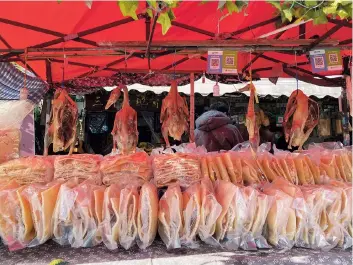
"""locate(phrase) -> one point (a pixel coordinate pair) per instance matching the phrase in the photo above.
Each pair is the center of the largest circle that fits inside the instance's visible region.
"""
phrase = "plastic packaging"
(181, 167)
(42, 200)
(134, 169)
(26, 170)
(305, 175)
(128, 208)
(147, 216)
(286, 166)
(210, 211)
(110, 224)
(191, 214)
(170, 223)
(81, 166)
(280, 228)
(16, 226)
(75, 215)
(312, 235)
(10, 144)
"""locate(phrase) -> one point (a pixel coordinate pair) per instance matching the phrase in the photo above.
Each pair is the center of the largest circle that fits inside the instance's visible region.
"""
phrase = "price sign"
(325, 60)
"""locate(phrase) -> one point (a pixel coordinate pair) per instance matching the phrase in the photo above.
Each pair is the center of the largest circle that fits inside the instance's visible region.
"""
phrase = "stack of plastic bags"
(82, 166)
(126, 169)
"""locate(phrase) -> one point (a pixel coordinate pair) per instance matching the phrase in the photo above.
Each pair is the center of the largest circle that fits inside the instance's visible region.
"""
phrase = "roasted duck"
(174, 115)
(300, 118)
(125, 134)
(251, 122)
(62, 124)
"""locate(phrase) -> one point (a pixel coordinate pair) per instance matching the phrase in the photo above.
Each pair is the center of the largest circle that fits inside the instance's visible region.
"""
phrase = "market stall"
(164, 203)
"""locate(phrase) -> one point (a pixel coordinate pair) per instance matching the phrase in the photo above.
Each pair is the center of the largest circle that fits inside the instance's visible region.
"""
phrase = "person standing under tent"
(214, 129)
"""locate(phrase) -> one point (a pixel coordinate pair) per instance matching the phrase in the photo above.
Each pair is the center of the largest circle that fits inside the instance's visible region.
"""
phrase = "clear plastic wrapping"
(10, 144)
(26, 170)
(133, 169)
(41, 199)
(280, 228)
(16, 226)
(128, 208)
(209, 213)
(147, 216)
(179, 167)
(75, 216)
(81, 166)
(191, 214)
(12, 114)
(312, 235)
(170, 222)
(110, 224)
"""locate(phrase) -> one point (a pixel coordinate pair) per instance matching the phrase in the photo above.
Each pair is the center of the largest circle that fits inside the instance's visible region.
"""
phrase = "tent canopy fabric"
(72, 25)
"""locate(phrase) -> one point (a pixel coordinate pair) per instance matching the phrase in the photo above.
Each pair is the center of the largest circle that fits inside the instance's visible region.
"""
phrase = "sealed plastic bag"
(75, 218)
(312, 235)
(42, 200)
(280, 226)
(285, 166)
(81, 166)
(191, 214)
(12, 114)
(170, 223)
(27, 170)
(210, 211)
(134, 169)
(181, 167)
(110, 224)
(147, 216)
(128, 207)
(305, 175)
(16, 225)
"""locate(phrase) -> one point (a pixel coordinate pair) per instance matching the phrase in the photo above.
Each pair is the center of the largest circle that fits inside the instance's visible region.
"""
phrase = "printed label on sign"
(229, 63)
(279, 121)
(214, 62)
(326, 60)
(334, 60)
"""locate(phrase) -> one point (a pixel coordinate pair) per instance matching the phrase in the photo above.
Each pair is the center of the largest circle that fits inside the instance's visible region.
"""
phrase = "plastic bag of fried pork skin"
(133, 169)
(78, 214)
(81, 166)
(12, 114)
(27, 170)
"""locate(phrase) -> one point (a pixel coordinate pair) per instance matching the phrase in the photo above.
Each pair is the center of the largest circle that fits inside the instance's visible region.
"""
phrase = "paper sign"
(325, 60)
(279, 121)
(334, 60)
(222, 62)
(214, 62)
(229, 62)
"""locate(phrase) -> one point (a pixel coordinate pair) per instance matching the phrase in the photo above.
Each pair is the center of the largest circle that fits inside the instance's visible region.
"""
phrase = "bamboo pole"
(192, 108)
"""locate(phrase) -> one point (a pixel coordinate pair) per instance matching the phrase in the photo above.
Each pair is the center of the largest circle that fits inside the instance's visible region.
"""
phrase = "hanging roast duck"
(174, 115)
(125, 134)
(62, 124)
(300, 118)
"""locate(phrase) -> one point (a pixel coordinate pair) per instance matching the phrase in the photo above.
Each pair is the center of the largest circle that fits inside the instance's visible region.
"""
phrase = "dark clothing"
(214, 131)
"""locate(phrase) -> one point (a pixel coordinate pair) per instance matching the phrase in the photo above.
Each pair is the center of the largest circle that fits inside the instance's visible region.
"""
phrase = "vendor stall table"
(157, 254)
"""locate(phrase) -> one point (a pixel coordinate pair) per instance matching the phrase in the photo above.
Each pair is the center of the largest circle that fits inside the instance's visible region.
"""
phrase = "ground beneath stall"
(157, 254)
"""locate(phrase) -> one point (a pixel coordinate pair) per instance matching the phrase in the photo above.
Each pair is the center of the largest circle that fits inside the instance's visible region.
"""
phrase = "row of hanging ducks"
(301, 116)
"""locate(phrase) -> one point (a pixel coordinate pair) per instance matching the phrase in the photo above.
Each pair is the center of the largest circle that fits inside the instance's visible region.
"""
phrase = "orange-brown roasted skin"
(174, 115)
(62, 130)
(124, 132)
(300, 118)
(251, 124)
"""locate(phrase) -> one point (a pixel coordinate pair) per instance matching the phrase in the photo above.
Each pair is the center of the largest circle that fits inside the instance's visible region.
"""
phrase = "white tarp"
(284, 86)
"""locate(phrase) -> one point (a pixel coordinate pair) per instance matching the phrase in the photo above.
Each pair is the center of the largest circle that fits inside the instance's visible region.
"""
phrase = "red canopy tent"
(51, 29)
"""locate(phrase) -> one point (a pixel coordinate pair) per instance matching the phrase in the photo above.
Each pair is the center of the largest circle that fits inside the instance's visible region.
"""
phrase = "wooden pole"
(192, 108)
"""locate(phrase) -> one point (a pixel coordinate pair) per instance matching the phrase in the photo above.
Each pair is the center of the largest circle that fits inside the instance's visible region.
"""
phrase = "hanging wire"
(25, 75)
(174, 64)
(296, 71)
